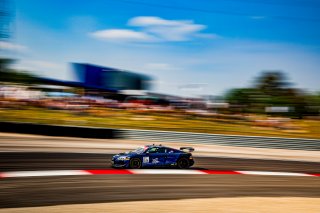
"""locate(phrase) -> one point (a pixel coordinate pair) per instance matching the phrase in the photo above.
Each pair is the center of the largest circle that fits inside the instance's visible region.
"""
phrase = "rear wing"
(188, 149)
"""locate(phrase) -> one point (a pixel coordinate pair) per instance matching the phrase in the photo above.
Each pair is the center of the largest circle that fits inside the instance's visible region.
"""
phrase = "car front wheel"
(135, 163)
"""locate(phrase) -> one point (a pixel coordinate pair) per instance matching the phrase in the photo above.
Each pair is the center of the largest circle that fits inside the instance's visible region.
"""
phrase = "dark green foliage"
(10, 75)
(273, 89)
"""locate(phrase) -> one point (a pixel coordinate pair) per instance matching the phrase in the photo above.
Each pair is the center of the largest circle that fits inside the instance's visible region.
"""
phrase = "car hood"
(125, 154)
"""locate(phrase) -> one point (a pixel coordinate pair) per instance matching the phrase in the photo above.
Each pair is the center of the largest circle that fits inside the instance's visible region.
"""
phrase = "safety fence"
(226, 140)
(162, 136)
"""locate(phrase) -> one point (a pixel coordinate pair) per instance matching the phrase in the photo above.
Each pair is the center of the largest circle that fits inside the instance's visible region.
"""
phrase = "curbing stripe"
(273, 173)
(110, 172)
(167, 172)
(43, 173)
(49, 173)
(221, 172)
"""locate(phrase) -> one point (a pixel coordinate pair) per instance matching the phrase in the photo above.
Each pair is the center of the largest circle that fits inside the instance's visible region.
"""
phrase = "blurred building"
(215, 103)
(99, 79)
(110, 78)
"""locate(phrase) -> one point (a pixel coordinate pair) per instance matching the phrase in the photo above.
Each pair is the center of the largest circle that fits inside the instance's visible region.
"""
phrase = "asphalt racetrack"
(43, 191)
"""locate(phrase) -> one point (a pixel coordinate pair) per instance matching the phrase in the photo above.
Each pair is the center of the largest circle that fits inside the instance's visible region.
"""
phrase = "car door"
(157, 156)
(172, 156)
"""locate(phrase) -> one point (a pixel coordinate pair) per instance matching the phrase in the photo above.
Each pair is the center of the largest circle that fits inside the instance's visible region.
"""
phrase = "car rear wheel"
(183, 163)
(135, 163)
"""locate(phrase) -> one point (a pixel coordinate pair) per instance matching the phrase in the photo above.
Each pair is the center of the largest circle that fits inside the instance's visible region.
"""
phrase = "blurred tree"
(244, 99)
(8, 74)
(239, 96)
(270, 89)
(313, 104)
(272, 83)
(5, 64)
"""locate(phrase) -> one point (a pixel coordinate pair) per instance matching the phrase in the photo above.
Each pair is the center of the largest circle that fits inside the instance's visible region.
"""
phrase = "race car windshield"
(139, 150)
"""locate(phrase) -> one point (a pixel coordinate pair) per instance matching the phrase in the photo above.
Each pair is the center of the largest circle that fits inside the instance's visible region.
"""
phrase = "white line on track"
(167, 172)
(143, 171)
(43, 173)
(273, 173)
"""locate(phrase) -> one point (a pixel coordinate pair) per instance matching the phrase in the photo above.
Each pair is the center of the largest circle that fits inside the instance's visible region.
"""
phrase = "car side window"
(162, 150)
(152, 150)
(156, 150)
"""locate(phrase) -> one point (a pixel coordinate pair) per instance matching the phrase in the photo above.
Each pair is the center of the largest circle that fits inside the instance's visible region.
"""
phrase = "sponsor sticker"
(155, 160)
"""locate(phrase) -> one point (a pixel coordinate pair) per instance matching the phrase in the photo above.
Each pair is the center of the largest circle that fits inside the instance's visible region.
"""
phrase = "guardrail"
(162, 136)
(225, 140)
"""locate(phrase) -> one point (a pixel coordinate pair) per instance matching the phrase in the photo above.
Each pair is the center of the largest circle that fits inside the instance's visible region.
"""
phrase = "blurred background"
(229, 67)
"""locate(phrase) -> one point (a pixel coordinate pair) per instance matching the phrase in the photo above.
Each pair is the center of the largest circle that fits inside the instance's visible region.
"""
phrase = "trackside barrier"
(225, 140)
(63, 131)
(162, 136)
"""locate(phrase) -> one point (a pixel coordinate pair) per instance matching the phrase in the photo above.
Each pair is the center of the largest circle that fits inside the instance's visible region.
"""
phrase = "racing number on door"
(145, 159)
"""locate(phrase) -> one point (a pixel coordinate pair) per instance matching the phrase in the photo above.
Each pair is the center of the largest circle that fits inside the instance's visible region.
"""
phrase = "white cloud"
(12, 46)
(170, 30)
(155, 29)
(144, 21)
(183, 32)
(122, 35)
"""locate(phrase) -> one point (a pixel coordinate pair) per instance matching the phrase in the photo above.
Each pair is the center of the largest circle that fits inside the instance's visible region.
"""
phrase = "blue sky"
(190, 47)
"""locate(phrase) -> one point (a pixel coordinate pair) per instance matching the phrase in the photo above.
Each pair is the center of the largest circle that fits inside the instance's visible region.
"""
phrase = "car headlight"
(124, 158)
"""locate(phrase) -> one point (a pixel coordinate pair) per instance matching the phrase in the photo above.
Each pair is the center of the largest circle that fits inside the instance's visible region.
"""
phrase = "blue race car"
(154, 156)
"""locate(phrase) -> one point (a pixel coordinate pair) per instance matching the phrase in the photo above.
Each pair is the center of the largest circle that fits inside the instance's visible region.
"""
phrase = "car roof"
(158, 146)
(153, 145)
